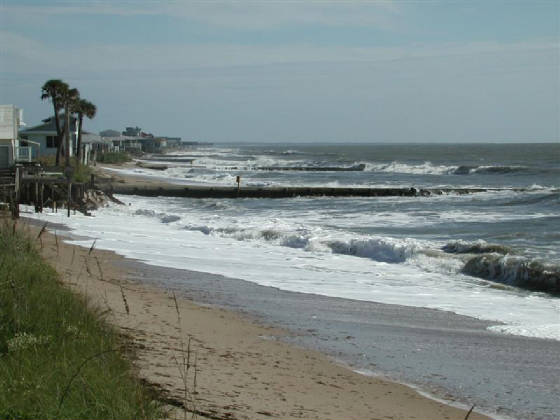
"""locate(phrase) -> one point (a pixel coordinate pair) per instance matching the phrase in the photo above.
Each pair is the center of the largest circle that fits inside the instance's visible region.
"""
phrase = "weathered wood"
(44, 179)
(42, 198)
(69, 197)
(17, 192)
(36, 198)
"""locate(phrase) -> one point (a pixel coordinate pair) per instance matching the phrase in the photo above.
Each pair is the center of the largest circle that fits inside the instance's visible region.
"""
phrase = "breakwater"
(279, 192)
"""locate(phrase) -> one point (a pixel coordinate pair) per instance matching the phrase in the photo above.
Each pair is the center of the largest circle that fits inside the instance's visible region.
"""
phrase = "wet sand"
(244, 368)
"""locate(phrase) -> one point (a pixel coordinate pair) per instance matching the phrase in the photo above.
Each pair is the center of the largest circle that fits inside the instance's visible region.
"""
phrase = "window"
(51, 141)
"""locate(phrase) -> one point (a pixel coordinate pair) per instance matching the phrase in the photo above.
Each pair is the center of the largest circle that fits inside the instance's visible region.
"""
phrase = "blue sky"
(277, 71)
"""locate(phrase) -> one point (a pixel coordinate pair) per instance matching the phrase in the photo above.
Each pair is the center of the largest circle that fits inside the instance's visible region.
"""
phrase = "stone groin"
(356, 168)
(278, 192)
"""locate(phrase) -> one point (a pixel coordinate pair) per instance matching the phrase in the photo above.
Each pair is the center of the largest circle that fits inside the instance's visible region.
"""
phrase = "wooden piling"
(42, 197)
(17, 192)
(69, 197)
(36, 197)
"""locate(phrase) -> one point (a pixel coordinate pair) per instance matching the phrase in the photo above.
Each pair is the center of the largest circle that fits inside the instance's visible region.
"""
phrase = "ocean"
(493, 256)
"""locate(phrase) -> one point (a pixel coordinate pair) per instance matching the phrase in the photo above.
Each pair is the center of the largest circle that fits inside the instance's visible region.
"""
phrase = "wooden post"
(18, 192)
(36, 200)
(12, 204)
(92, 181)
(42, 195)
(69, 196)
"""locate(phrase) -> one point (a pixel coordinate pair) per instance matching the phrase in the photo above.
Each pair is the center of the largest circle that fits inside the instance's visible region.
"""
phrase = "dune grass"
(58, 359)
(113, 157)
(81, 173)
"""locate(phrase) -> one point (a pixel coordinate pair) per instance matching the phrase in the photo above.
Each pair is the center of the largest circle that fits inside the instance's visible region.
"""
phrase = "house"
(45, 135)
(154, 144)
(173, 141)
(92, 145)
(109, 133)
(125, 143)
(11, 152)
(132, 132)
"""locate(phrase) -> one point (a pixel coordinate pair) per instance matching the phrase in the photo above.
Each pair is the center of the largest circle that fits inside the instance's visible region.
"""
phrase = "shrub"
(113, 157)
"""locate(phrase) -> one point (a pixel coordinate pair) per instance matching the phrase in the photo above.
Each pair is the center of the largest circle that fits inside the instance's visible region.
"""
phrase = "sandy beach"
(233, 367)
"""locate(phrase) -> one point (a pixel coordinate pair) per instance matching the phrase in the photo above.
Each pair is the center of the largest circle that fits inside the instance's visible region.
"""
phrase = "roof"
(93, 138)
(127, 138)
(48, 125)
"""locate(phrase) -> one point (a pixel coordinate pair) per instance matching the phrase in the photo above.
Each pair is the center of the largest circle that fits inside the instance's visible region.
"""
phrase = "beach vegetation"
(113, 157)
(58, 357)
(80, 173)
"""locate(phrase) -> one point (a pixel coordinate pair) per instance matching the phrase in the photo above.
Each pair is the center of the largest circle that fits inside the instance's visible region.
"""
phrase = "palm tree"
(83, 108)
(55, 90)
(70, 97)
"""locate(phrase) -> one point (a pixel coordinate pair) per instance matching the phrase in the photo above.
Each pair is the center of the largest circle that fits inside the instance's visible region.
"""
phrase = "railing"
(24, 154)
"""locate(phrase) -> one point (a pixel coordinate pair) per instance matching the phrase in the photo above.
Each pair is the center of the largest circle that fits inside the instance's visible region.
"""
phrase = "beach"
(280, 210)
(244, 369)
(414, 290)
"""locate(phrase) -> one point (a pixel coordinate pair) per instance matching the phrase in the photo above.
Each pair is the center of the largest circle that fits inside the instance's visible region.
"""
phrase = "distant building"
(131, 132)
(109, 133)
(45, 135)
(134, 140)
(154, 144)
(11, 119)
(125, 143)
(173, 141)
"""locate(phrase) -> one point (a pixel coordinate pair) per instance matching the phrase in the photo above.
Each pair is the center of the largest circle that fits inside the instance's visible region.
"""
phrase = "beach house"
(45, 136)
(11, 151)
(92, 145)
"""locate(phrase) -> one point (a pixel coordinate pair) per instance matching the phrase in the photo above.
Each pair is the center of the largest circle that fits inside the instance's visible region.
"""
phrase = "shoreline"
(246, 370)
(462, 361)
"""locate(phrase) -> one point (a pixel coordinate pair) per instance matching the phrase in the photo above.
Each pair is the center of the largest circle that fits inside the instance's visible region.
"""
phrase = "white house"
(45, 135)
(92, 144)
(11, 118)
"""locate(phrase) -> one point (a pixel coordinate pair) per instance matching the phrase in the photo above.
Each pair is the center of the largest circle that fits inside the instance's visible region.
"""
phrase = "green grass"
(113, 157)
(57, 358)
(81, 174)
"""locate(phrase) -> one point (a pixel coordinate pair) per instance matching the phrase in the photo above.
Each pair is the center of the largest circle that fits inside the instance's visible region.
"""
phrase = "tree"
(55, 90)
(82, 107)
(70, 97)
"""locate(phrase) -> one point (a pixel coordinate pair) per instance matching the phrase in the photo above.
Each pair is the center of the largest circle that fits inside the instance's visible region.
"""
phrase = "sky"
(293, 71)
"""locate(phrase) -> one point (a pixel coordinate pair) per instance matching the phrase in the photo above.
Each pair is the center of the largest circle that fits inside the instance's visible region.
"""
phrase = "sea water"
(492, 255)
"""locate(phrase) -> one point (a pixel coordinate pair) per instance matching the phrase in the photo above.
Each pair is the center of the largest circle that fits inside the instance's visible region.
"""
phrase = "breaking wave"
(478, 247)
(493, 262)
(515, 271)
(428, 168)
(378, 249)
(163, 217)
